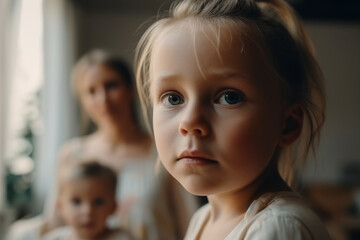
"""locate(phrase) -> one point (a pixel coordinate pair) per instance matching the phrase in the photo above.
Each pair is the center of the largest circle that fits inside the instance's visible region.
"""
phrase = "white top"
(273, 216)
(66, 233)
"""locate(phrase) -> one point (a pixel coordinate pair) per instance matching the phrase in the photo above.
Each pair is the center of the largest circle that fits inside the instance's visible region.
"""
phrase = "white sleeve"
(278, 228)
(61, 233)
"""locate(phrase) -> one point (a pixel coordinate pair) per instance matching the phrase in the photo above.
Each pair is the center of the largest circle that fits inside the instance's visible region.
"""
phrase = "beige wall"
(114, 31)
(338, 48)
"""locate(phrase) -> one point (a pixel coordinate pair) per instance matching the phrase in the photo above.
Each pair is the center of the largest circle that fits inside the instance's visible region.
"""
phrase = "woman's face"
(104, 95)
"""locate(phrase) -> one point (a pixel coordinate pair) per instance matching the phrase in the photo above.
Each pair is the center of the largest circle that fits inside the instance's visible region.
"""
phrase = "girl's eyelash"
(171, 98)
(227, 97)
(230, 97)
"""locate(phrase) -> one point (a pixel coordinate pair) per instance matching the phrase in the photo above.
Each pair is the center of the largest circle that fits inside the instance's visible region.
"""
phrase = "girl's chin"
(198, 188)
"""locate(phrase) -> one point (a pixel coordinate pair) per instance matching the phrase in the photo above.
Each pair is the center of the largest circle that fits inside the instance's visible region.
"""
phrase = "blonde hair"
(278, 32)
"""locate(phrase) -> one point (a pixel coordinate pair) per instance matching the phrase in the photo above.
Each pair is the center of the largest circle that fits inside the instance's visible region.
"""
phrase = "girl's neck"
(233, 205)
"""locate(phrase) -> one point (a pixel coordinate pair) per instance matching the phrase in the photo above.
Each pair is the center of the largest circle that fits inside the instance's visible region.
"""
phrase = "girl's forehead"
(207, 42)
(219, 33)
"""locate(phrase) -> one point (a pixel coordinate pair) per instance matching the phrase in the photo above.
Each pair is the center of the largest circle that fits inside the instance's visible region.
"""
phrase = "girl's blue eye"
(230, 98)
(172, 99)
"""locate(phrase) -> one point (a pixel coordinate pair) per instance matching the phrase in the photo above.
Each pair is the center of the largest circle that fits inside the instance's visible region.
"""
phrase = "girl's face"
(218, 110)
(104, 94)
(86, 204)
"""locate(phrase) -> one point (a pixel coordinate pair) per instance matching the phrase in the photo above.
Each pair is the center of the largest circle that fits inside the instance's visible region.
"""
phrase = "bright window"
(23, 116)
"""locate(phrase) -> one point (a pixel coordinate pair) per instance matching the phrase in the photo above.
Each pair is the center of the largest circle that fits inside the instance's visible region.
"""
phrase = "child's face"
(218, 113)
(104, 94)
(85, 205)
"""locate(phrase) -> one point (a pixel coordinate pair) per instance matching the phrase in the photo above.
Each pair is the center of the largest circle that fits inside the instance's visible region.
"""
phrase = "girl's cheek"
(161, 124)
(155, 122)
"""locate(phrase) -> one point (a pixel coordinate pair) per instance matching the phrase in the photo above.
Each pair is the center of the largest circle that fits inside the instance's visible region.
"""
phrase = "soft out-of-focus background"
(41, 39)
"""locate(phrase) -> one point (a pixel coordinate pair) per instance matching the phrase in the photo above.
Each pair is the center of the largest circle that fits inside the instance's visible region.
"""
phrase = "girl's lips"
(196, 161)
(195, 158)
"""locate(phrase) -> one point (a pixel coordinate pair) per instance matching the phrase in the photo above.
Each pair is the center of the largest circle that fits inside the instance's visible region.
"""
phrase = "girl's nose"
(194, 122)
(102, 97)
(86, 209)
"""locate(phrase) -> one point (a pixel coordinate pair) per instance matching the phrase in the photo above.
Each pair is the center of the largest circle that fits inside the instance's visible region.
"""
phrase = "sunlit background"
(41, 39)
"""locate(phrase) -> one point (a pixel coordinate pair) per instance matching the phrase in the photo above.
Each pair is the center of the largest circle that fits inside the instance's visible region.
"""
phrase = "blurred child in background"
(87, 197)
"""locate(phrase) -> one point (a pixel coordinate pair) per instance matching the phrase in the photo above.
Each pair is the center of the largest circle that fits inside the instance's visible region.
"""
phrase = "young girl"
(87, 198)
(236, 101)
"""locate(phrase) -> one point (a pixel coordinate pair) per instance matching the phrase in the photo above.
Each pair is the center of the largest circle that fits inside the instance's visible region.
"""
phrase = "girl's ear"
(293, 125)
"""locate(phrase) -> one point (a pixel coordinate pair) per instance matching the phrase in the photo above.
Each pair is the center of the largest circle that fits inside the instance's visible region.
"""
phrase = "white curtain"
(58, 105)
(58, 109)
(3, 20)
(9, 18)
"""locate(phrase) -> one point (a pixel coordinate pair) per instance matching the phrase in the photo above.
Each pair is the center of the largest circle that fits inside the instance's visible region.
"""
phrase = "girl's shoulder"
(281, 215)
(280, 204)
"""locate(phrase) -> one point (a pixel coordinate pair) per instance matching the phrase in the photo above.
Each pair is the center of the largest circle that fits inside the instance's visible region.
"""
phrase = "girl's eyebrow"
(227, 73)
(167, 76)
(211, 73)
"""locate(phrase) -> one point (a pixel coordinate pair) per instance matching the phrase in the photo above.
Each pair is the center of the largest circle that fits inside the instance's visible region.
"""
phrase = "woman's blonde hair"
(276, 30)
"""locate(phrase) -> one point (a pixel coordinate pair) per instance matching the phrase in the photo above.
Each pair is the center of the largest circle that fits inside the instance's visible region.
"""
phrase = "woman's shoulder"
(119, 234)
(75, 147)
(71, 143)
